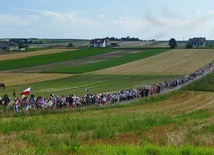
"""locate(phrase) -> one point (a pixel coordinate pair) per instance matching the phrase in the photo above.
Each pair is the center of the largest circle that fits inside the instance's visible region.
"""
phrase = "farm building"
(197, 42)
(98, 43)
(8, 46)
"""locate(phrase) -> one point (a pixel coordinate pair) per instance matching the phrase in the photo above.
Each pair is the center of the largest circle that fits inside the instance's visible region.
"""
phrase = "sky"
(88, 19)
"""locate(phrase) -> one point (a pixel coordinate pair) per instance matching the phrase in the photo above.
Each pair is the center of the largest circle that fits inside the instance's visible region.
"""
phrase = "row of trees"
(128, 38)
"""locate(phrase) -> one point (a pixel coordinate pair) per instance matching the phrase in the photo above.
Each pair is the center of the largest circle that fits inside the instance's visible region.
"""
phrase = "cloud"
(102, 16)
(199, 13)
(18, 20)
(45, 23)
(27, 9)
(210, 12)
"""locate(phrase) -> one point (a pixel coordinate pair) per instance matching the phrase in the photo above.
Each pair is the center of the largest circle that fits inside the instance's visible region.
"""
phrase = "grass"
(110, 62)
(146, 150)
(50, 58)
(204, 84)
(128, 129)
(156, 125)
(199, 114)
(95, 83)
(34, 49)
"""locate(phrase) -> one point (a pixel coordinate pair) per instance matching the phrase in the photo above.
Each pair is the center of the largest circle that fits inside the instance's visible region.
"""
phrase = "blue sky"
(87, 19)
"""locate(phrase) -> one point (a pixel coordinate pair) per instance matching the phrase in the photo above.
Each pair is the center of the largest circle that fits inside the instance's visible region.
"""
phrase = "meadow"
(179, 122)
(49, 58)
(158, 125)
(205, 84)
(76, 84)
(110, 62)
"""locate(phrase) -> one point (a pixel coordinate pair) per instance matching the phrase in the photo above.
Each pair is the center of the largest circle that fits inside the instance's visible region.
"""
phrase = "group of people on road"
(73, 101)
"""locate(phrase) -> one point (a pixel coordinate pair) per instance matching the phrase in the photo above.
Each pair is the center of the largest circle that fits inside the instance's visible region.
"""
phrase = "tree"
(189, 45)
(70, 45)
(21, 45)
(172, 43)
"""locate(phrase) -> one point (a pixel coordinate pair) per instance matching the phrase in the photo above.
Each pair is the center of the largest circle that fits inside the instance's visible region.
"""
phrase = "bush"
(189, 45)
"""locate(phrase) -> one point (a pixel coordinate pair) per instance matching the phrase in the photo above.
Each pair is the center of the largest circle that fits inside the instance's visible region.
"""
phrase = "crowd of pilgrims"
(72, 101)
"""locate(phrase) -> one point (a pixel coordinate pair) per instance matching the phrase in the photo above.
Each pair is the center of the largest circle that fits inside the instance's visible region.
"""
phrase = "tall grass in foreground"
(146, 150)
(125, 129)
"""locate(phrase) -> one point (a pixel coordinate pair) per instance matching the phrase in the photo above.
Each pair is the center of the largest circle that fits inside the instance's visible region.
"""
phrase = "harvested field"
(29, 54)
(186, 102)
(12, 79)
(173, 62)
(139, 44)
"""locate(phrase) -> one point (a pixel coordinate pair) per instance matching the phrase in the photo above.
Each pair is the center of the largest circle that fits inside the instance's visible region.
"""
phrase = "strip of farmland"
(14, 55)
(173, 62)
(50, 58)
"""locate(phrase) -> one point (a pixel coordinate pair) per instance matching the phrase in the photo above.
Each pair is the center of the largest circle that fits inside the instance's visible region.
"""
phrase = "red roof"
(94, 41)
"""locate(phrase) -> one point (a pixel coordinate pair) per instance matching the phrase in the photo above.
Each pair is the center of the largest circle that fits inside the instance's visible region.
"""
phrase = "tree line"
(128, 38)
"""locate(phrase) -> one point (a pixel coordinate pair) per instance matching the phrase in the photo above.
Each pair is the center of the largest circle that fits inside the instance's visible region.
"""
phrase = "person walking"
(6, 101)
(25, 103)
(17, 104)
(14, 93)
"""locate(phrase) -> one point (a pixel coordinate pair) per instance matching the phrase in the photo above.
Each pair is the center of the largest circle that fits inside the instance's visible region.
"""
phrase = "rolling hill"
(178, 122)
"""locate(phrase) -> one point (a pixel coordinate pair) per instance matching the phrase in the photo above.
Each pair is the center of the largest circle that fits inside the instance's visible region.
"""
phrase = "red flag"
(26, 91)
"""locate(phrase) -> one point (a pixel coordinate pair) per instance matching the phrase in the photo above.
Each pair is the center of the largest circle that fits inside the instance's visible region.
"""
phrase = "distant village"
(23, 43)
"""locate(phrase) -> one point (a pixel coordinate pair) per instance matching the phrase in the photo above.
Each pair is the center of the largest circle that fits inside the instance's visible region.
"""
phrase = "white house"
(8, 45)
(98, 42)
(198, 42)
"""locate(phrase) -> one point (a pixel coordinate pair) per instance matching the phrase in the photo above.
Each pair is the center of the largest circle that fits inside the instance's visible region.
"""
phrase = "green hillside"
(204, 84)
(177, 122)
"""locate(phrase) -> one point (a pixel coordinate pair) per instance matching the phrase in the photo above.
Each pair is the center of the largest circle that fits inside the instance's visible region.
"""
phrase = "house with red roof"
(98, 42)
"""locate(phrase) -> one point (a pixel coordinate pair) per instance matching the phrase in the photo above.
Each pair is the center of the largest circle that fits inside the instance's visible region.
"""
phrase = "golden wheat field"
(173, 62)
(29, 54)
(12, 79)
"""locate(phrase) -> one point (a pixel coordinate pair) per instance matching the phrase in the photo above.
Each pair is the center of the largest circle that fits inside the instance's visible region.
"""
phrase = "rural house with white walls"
(98, 42)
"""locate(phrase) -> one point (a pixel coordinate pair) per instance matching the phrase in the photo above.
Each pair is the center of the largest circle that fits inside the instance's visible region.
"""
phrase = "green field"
(179, 122)
(95, 83)
(204, 84)
(50, 58)
(115, 129)
(110, 62)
